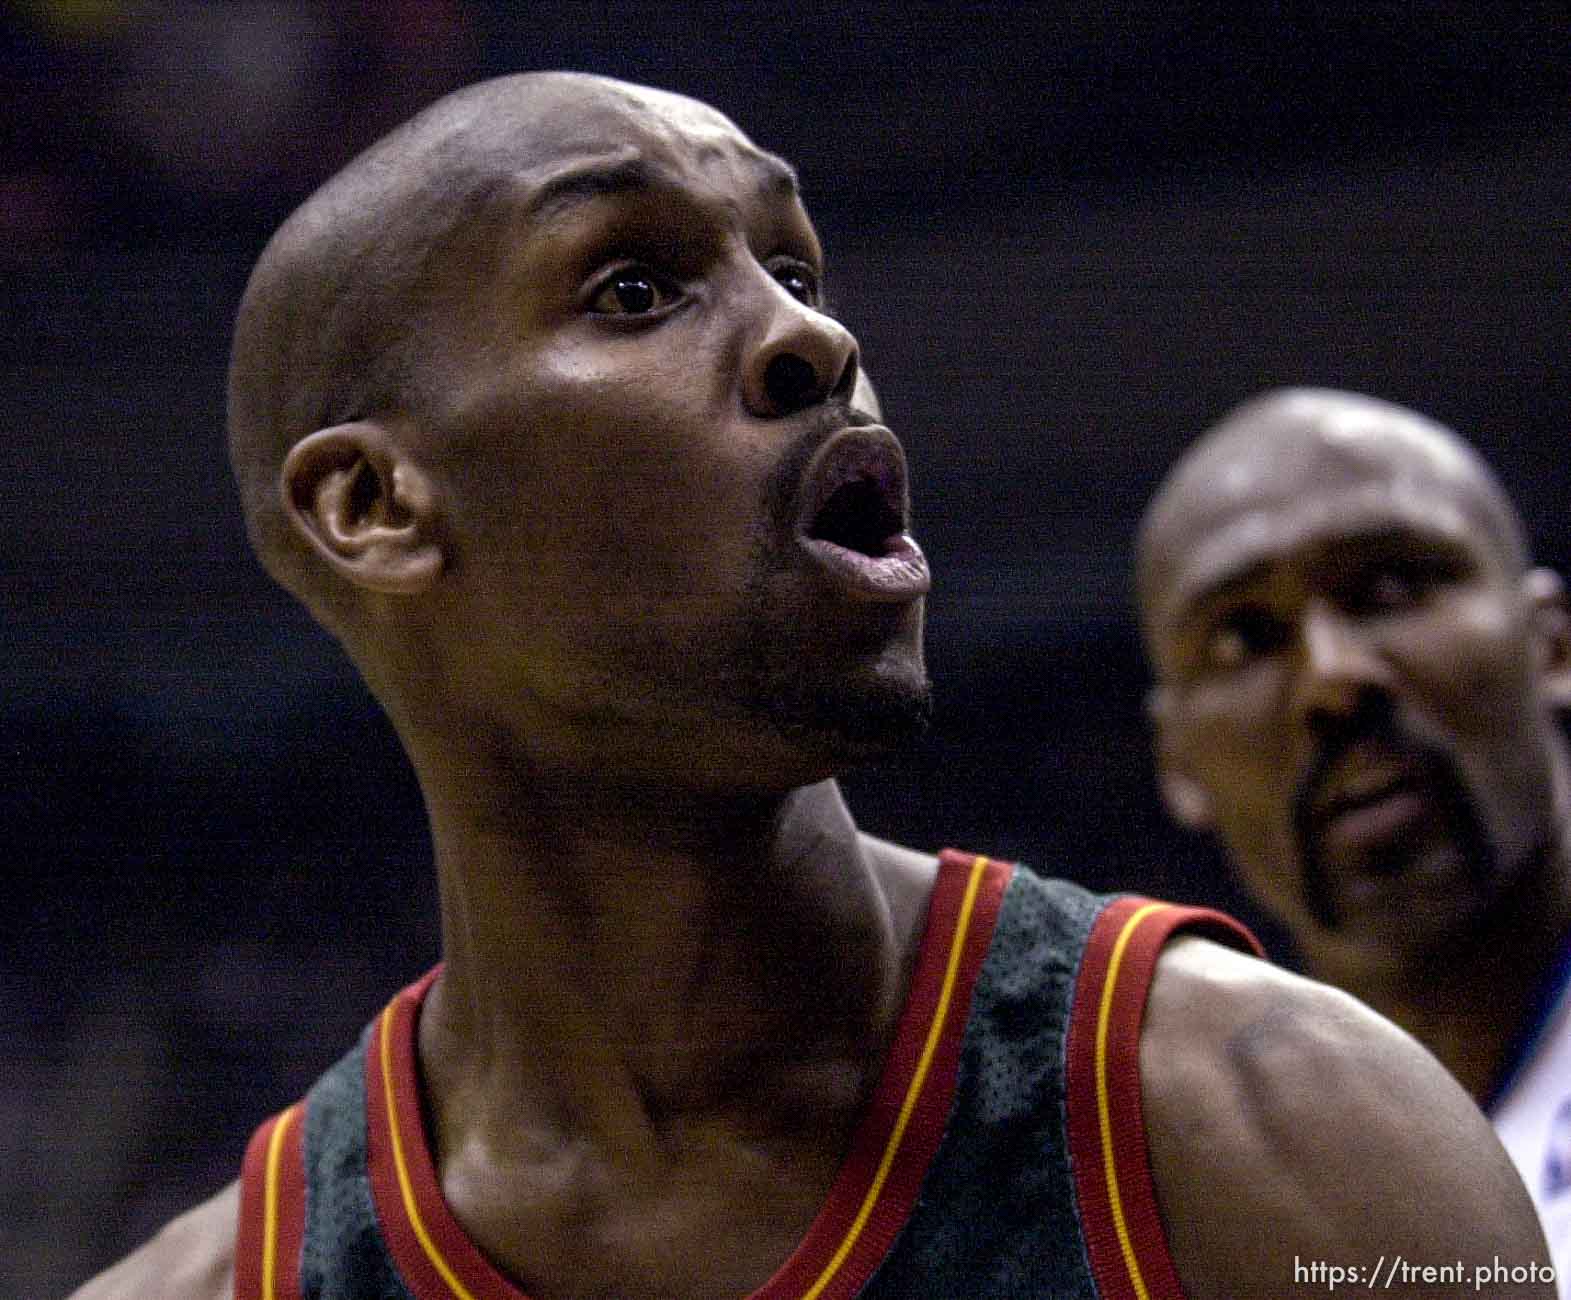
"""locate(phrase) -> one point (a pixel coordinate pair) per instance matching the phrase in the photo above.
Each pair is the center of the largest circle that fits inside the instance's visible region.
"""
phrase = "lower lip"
(897, 576)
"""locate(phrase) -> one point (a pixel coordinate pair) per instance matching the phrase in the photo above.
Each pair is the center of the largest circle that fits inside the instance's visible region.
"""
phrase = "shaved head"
(350, 309)
(528, 405)
(1284, 445)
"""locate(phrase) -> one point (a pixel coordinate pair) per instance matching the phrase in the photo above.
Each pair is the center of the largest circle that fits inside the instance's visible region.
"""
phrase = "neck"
(660, 1011)
(617, 957)
(1470, 1001)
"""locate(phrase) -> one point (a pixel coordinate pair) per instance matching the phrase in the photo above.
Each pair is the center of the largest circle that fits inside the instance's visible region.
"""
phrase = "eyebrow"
(1387, 538)
(1202, 597)
(584, 184)
(779, 176)
(579, 185)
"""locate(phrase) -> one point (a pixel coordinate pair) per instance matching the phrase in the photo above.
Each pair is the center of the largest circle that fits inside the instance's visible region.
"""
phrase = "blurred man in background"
(1359, 679)
(536, 406)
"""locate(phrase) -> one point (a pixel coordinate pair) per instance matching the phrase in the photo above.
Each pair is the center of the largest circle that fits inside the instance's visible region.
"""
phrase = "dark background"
(1067, 236)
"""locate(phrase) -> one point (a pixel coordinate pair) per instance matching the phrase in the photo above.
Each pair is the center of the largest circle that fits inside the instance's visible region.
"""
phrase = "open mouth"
(859, 515)
(854, 517)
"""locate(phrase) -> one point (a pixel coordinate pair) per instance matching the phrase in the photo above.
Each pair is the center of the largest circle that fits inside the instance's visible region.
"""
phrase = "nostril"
(790, 382)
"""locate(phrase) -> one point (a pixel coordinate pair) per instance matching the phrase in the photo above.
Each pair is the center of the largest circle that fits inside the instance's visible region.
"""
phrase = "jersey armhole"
(1126, 1243)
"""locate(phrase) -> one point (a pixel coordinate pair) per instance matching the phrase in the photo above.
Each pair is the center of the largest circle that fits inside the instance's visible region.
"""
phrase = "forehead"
(570, 137)
(1278, 489)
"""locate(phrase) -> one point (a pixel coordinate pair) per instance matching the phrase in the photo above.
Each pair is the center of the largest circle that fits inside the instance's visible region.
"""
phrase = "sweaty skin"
(533, 406)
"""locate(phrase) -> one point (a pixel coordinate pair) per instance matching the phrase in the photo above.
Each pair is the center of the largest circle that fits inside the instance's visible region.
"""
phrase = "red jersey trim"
(872, 1196)
(1119, 1217)
(271, 1229)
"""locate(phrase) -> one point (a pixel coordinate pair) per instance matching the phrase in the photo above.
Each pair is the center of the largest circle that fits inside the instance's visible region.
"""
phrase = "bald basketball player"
(538, 408)
(1360, 680)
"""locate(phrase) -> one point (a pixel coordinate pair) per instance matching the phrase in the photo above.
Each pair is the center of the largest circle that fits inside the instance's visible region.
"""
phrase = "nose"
(1341, 670)
(799, 358)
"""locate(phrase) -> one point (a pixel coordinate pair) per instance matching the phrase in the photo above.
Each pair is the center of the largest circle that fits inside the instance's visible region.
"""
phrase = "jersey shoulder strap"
(1119, 1217)
(271, 1229)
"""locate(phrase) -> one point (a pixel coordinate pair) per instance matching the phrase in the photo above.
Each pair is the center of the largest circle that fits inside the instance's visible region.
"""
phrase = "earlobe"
(363, 507)
(1186, 802)
(1185, 798)
(1552, 635)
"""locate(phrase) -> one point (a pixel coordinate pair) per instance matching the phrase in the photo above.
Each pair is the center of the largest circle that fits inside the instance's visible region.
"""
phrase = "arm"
(191, 1258)
(1291, 1127)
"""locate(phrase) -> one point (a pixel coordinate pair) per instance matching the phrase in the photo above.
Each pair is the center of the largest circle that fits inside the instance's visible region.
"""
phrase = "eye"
(1395, 585)
(1241, 635)
(632, 291)
(1387, 589)
(800, 281)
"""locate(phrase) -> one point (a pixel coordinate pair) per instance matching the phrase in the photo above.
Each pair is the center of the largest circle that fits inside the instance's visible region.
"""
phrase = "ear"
(1551, 635)
(364, 507)
(1184, 797)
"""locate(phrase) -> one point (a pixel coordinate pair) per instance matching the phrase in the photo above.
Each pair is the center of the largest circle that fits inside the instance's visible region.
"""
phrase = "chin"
(853, 721)
(1413, 935)
(838, 686)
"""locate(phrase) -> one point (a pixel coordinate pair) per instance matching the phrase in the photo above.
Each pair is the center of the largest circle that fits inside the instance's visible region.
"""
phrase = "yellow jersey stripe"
(1104, 1011)
(405, 1188)
(934, 1033)
(275, 1150)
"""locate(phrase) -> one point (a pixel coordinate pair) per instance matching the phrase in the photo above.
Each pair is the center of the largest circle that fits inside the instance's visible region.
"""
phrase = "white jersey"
(1532, 1116)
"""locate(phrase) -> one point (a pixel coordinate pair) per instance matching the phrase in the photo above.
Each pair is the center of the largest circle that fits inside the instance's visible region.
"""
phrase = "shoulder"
(1289, 1127)
(906, 877)
(901, 867)
(191, 1258)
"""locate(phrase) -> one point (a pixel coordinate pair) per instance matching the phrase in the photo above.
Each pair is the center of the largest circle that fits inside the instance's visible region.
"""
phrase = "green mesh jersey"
(1002, 1154)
